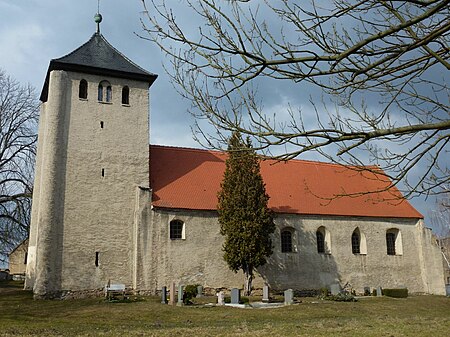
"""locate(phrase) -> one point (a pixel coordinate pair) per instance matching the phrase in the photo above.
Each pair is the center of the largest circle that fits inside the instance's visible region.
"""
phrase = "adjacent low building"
(18, 260)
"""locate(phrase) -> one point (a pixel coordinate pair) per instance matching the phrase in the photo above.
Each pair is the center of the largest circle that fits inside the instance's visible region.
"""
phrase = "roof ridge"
(181, 148)
(305, 161)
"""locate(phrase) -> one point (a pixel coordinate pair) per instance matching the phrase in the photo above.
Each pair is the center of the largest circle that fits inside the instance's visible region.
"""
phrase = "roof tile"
(190, 179)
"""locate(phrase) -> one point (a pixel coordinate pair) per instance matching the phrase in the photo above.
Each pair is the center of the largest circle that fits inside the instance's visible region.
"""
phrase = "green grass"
(20, 315)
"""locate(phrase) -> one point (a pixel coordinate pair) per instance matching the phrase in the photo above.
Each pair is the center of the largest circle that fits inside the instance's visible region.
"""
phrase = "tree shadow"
(304, 267)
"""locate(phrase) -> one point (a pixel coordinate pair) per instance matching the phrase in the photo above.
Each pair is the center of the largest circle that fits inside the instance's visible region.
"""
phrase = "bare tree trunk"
(248, 271)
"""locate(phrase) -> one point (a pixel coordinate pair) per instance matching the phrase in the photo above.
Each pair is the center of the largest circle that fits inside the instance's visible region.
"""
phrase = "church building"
(109, 207)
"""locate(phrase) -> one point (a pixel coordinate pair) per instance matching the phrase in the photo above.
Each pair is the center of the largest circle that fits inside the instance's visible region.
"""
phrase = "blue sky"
(34, 31)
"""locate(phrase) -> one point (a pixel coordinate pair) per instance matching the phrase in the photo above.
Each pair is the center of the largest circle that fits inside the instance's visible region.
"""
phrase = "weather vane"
(98, 17)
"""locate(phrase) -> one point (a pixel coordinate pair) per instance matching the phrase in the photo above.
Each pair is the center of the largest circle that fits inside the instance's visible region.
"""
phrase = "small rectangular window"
(103, 172)
(96, 258)
(101, 125)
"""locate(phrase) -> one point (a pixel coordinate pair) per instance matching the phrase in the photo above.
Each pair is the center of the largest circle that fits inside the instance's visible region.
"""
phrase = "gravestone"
(335, 289)
(220, 298)
(180, 295)
(172, 294)
(164, 295)
(199, 291)
(235, 296)
(379, 291)
(265, 293)
(288, 297)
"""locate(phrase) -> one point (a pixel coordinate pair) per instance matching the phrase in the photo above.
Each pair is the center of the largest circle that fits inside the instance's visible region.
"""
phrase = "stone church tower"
(92, 157)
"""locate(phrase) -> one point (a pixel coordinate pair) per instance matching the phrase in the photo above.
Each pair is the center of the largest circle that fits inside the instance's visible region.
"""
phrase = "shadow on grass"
(8, 284)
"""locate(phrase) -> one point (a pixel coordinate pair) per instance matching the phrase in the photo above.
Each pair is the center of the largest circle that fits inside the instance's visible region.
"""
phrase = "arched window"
(359, 245)
(356, 240)
(390, 243)
(394, 242)
(323, 239)
(125, 95)
(286, 241)
(83, 89)
(320, 242)
(108, 93)
(177, 230)
(100, 92)
(104, 92)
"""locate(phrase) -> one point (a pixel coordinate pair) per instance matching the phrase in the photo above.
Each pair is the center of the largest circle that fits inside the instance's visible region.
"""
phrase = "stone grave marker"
(164, 295)
(235, 296)
(379, 291)
(288, 297)
(265, 294)
(172, 294)
(335, 289)
(180, 295)
(199, 291)
(220, 298)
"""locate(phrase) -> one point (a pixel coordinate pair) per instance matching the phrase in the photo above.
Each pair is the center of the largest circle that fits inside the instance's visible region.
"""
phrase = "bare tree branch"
(382, 68)
(18, 122)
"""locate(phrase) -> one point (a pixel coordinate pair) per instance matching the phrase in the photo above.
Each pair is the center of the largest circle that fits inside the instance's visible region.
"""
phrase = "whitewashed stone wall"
(198, 258)
(195, 259)
(77, 210)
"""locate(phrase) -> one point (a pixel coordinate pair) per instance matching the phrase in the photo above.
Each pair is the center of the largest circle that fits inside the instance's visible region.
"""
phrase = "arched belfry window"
(83, 89)
(286, 241)
(100, 92)
(104, 92)
(125, 95)
(108, 93)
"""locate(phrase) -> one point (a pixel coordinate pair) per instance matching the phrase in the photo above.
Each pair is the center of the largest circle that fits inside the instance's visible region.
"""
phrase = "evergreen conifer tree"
(245, 220)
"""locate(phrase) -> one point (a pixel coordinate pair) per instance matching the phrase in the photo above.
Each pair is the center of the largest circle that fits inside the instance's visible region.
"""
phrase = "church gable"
(190, 179)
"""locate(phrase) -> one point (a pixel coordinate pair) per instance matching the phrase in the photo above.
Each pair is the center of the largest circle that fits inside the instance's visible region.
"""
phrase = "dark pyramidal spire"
(98, 57)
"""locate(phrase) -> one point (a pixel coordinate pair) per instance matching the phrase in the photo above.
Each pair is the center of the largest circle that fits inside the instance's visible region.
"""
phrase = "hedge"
(398, 293)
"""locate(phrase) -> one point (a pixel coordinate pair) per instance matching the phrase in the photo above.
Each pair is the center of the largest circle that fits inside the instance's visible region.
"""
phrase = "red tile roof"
(190, 179)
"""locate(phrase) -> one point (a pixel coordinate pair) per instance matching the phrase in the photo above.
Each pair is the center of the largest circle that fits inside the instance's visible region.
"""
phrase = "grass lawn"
(20, 315)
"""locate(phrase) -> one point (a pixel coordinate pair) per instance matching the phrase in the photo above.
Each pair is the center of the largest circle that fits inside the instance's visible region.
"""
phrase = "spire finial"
(98, 17)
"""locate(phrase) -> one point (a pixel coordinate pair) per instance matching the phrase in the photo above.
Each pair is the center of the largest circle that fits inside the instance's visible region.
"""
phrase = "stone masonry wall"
(104, 159)
(198, 257)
